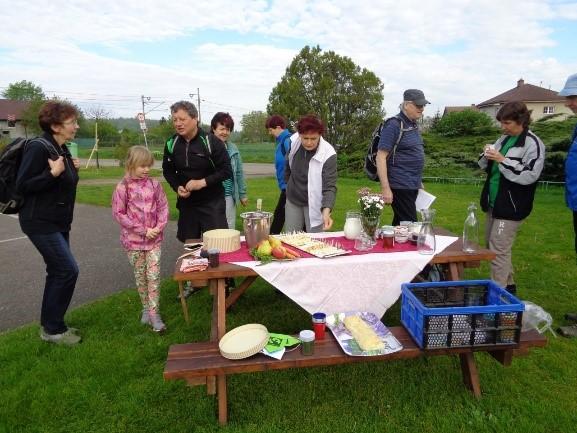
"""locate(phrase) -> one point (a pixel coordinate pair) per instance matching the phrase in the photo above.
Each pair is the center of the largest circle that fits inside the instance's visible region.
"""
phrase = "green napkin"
(277, 341)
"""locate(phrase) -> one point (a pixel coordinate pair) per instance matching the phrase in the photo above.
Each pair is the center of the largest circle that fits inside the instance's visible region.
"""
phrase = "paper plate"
(244, 341)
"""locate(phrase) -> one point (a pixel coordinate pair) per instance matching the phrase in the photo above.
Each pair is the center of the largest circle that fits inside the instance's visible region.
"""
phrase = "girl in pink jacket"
(139, 205)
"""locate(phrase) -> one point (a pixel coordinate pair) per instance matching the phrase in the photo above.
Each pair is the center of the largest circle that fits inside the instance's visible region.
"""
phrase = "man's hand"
(76, 163)
(183, 192)
(57, 166)
(244, 201)
(387, 195)
(195, 184)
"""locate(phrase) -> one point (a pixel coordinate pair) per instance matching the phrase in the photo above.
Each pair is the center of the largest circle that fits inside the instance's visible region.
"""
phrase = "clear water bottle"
(471, 230)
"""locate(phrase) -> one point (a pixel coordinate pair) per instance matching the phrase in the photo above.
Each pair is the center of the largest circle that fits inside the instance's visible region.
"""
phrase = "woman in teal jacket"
(234, 188)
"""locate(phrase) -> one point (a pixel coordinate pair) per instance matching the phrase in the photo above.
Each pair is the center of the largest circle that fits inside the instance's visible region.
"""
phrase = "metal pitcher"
(256, 226)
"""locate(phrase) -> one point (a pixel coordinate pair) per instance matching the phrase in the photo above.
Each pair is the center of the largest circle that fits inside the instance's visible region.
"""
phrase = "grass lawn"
(112, 382)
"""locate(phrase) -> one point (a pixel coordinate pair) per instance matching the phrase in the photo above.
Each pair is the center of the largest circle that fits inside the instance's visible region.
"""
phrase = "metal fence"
(543, 184)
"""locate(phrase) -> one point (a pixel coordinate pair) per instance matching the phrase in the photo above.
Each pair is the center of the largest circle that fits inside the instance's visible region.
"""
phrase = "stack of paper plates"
(244, 341)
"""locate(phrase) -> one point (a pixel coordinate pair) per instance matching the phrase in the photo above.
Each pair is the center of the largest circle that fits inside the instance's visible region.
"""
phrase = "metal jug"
(256, 226)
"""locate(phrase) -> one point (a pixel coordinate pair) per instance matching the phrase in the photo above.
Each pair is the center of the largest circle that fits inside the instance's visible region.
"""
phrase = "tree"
(467, 122)
(23, 91)
(253, 127)
(347, 98)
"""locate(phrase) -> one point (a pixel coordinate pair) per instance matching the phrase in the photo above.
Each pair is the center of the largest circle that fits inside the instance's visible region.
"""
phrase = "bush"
(467, 122)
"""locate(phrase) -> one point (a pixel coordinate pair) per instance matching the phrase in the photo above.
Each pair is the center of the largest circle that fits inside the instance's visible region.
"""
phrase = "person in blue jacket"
(570, 93)
(276, 126)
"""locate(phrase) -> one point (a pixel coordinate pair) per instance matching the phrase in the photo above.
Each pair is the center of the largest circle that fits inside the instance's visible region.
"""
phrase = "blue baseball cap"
(570, 88)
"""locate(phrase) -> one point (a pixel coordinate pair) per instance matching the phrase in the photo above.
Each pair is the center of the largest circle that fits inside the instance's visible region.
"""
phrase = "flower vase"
(370, 225)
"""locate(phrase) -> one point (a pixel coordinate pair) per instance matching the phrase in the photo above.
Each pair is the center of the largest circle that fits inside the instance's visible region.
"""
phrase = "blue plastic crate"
(461, 314)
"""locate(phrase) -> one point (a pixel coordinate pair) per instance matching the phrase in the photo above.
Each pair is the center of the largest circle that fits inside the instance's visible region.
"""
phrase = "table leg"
(183, 302)
(237, 293)
(222, 400)
(470, 373)
(455, 271)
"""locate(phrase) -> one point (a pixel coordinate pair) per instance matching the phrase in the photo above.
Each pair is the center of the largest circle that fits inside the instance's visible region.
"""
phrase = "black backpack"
(371, 156)
(283, 146)
(10, 159)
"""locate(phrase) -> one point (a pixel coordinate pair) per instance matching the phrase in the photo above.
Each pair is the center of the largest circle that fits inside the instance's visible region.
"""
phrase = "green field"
(113, 382)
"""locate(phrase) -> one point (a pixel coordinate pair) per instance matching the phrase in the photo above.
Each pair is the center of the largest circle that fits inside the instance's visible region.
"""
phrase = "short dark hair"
(516, 111)
(185, 106)
(55, 113)
(310, 123)
(274, 121)
(222, 118)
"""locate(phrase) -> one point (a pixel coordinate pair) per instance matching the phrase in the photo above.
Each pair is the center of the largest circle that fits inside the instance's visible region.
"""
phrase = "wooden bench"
(200, 363)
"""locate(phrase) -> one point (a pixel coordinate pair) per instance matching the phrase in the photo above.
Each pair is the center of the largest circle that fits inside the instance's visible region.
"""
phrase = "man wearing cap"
(570, 93)
(400, 166)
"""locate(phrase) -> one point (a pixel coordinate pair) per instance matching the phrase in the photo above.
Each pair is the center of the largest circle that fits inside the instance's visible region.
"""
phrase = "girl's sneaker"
(156, 322)
(145, 318)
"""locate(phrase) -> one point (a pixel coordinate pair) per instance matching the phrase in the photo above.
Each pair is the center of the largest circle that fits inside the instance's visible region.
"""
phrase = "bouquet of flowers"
(371, 205)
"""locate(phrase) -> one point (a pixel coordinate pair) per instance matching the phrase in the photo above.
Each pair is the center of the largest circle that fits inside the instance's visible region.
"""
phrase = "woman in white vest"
(311, 178)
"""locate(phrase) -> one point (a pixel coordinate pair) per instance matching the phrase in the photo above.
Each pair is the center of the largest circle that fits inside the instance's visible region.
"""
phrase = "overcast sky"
(109, 53)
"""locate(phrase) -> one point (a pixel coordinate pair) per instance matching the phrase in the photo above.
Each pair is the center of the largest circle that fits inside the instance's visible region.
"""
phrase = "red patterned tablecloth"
(243, 255)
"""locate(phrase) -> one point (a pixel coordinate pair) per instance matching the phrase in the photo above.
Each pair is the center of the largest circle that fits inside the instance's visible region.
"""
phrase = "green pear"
(264, 248)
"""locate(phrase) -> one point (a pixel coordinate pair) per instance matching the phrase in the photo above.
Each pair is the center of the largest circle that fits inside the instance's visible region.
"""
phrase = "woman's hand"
(327, 220)
(494, 155)
(57, 166)
(183, 192)
(76, 163)
(195, 184)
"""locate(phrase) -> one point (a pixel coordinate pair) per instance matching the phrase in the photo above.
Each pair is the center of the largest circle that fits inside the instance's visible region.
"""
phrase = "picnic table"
(200, 363)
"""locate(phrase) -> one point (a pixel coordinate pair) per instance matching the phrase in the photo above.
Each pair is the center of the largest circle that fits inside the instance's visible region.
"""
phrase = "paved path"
(104, 268)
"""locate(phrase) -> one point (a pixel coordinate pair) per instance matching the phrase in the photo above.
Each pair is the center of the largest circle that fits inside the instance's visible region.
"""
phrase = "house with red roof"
(540, 101)
(11, 118)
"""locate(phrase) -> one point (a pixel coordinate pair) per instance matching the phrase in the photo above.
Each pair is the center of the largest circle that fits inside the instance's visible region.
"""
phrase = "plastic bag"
(535, 317)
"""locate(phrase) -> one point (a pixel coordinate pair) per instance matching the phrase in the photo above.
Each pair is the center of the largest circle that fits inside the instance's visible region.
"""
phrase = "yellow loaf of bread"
(366, 337)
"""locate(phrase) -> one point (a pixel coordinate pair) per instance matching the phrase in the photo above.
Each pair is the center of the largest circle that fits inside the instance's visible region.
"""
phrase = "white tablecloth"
(369, 282)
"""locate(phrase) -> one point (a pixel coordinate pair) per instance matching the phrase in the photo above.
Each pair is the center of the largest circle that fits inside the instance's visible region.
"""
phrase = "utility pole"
(197, 102)
(142, 122)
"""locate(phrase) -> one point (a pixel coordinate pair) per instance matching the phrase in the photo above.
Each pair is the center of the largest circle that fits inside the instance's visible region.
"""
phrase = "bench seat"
(199, 363)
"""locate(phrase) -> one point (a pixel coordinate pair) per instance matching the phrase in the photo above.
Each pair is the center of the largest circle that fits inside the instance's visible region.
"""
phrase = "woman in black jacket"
(47, 179)
(513, 165)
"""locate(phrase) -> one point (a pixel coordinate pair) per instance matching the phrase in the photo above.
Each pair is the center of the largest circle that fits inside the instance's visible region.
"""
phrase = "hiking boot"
(145, 318)
(571, 316)
(568, 331)
(156, 322)
(67, 338)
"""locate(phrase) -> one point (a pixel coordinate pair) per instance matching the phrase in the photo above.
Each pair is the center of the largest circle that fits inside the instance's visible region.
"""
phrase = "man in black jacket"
(195, 164)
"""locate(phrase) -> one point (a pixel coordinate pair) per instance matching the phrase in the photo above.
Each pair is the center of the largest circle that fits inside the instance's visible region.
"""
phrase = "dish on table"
(316, 247)
(347, 342)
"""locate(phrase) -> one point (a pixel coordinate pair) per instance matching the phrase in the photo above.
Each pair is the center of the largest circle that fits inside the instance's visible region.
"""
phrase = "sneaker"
(568, 331)
(571, 316)
(67, 338)
(512, 289)
(156, 322)
(145, 318)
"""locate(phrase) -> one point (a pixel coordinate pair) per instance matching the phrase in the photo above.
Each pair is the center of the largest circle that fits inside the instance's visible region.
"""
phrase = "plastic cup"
(307, 338)
(388, 240)
(213, 257)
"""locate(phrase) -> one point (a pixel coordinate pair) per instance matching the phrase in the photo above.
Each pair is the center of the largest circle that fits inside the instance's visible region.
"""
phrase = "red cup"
(388, 241)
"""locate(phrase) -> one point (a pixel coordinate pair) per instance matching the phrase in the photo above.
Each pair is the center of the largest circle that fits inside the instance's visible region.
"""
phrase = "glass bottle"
(471, 230)
(426, 243)
(353, 227)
